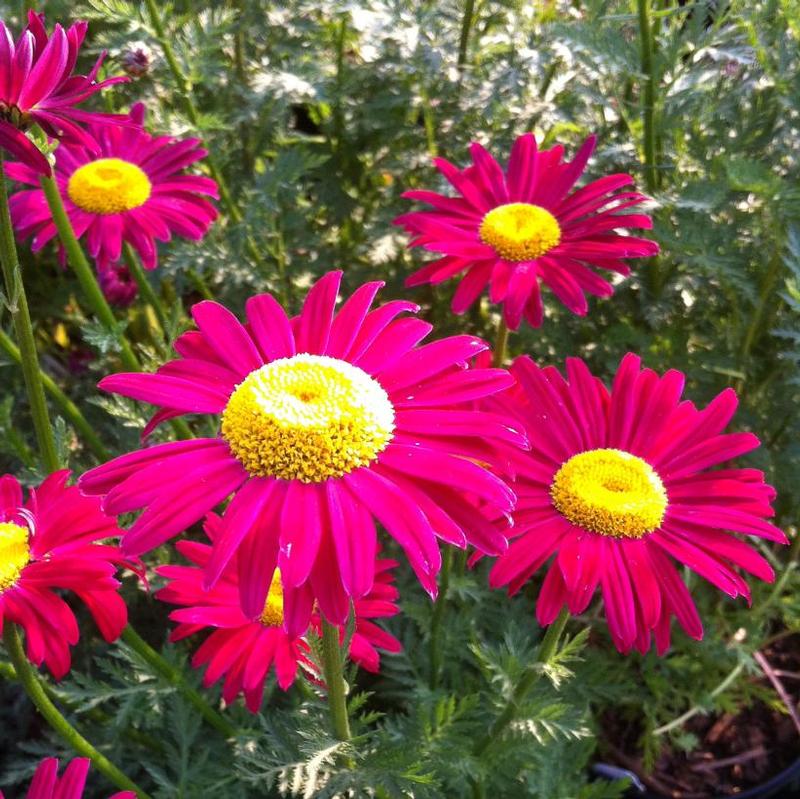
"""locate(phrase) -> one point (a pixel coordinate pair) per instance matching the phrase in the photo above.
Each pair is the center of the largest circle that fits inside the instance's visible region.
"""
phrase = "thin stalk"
(436, 643)
(546, 651)
(198, 281)
(91, 288)
(33, 687)
(499, 356)
(67, 406)
(649, 95)
(467, 21)
(20, 315)
(84, 272)
(334, 679)
(142, 281)
(176, 678)
(185, 91)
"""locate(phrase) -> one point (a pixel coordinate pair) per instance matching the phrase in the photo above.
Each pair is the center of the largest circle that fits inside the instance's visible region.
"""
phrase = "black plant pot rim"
(763, 791)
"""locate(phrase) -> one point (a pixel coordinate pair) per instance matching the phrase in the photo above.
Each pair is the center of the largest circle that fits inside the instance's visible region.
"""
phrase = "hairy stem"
(33, 687)
(142, 281)
(467, 21)
(175, 677)
(20, 315)
(84, 272)
(648, 95)
(334, 679)
(546, 651)
(436, 642)
(499, 356)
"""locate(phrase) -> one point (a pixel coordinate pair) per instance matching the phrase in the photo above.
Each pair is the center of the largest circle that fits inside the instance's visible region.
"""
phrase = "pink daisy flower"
(47, 785)
(328, 421)
(47, 544)
(128, 186)
(37, 87)
(510, 230)
(243, 648)
(619, 485)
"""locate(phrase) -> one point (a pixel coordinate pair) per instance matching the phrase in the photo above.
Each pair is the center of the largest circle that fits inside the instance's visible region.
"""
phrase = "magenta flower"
(618, 485)
(245, 648)
(128, 186)
(47, 785)
(328, 422)
(37, 87)
(48, 544)
(510, 230)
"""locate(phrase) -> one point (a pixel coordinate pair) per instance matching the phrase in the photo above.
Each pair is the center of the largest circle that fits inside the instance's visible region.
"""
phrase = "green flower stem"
(467, 21)
(648, 95)
(175, 677)
(143, 282)
(334, 679)
(546, 651)
(20, 315)
(85, 273)
(67, 406)
(436, 642)
(198, 281)
(90, 286)
(499, 357)
(33, 687)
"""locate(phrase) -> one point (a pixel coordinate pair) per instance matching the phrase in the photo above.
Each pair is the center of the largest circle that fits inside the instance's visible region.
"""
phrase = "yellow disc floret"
(610, 492)
(272, 615)
(109, 186)
(520, 231)
(15, 553)
(307, 418)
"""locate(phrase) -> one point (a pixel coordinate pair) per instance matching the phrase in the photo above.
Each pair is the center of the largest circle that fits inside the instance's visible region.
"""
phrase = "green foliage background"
(321, 114)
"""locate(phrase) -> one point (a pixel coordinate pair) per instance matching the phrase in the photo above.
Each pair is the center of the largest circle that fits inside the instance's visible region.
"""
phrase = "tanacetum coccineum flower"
(244, 648)
(618, 485)
(128, 187)
(47, 785)
(37, 87)
(510, 230)
(327, 422)
(48, 543)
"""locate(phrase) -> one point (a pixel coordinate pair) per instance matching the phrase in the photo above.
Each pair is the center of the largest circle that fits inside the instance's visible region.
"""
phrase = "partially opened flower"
(327, 422)
(618, 486)
(47, 785)
(244, 648)
(37, 87)
(48, 544)
(126, 186)
(511, 230)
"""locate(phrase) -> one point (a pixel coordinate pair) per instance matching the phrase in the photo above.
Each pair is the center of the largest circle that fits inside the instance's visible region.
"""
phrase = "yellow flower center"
(109, 186)
(272, 615)
(307, 418)
(14, 553)
(610, 492)
(520, 231)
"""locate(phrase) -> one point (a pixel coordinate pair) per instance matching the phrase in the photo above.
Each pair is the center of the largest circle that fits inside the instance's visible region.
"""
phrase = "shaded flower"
(137, 59)
(38, 88)
(511, 230)
(618, 485)
(128, 187)
(117, 284)
(327, 422)
(47, 785)
(48, 543)
(244, 648)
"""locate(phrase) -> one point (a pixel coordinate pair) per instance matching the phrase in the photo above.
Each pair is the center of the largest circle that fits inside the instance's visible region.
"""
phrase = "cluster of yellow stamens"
(14, 553)
(610, 492)
(307, 418)
(109, 186)
(520, 231)
(272, 615)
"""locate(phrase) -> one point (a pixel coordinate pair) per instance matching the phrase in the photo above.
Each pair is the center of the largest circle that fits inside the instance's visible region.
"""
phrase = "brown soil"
(736, 752)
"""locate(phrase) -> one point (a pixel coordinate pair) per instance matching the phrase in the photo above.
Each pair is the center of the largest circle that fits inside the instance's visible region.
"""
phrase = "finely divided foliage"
(257, 543)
